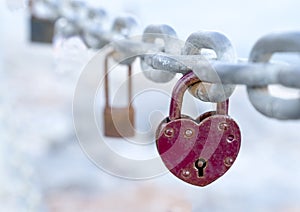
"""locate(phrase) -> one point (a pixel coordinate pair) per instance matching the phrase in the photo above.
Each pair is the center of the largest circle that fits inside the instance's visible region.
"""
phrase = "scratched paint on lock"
(217, 145)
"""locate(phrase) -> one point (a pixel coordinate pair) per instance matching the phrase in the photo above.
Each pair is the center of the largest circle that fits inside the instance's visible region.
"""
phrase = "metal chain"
(240, 73)
(257, 74)
(160, 62)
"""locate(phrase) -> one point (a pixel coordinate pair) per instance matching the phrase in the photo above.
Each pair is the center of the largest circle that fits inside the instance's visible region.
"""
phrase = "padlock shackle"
(106, 83)
(180, 88)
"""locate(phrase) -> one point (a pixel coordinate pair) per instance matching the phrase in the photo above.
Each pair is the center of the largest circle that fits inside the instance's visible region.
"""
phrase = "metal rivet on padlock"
(197, 151)
(118, 121)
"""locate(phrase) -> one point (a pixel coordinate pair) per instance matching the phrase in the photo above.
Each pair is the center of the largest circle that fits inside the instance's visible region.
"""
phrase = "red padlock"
(197, 151)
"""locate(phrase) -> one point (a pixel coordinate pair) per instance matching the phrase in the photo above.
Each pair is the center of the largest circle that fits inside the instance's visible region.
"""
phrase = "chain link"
(216, 92)
(260, 96)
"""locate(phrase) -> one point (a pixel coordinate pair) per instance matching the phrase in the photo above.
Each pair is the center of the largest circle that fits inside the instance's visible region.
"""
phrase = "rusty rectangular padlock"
(118, 121)
(41, 30)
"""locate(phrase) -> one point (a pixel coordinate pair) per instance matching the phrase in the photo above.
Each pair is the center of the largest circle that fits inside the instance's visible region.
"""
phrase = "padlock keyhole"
(200, 165)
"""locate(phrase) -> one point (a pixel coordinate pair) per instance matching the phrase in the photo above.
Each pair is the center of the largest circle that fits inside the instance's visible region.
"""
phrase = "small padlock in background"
(41, 30)
(118, 121)
(42, 21)
(197, 151)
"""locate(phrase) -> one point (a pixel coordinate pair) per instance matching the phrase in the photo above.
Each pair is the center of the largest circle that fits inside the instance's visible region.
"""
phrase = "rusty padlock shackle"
(180, 88)
(106, 84)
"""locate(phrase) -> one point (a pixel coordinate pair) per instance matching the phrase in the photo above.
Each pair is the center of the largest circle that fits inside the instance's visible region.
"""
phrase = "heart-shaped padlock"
(197, 151)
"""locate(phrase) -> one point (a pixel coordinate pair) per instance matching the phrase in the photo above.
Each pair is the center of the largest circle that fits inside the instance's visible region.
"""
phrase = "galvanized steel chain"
(224, 72)
(219, 73)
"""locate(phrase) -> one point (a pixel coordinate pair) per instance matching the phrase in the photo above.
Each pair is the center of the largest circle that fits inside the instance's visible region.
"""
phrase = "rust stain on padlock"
(202, 150)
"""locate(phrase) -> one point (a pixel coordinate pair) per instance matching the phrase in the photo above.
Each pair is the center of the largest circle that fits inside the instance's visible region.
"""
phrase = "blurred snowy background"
(42, 167)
